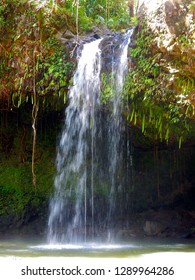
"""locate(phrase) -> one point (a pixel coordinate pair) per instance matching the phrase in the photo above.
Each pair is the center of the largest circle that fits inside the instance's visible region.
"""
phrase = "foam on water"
(88, 246)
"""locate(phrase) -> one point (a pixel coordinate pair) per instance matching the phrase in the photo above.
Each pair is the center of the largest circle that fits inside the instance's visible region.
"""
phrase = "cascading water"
(119, 71)
(68, 208)
(88, 156)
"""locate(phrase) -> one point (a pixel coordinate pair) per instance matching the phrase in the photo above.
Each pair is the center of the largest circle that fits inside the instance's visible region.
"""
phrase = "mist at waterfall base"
(90, 171)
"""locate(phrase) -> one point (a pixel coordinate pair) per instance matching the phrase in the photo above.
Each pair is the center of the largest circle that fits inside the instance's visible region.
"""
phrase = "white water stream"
(115, 127)
(89, 151)
(68, 209)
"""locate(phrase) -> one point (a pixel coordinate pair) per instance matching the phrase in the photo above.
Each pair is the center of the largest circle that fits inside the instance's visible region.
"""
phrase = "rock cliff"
(163, 63)
(173, 24)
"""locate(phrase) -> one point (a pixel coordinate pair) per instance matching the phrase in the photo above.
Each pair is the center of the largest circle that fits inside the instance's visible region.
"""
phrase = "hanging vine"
(34, 118)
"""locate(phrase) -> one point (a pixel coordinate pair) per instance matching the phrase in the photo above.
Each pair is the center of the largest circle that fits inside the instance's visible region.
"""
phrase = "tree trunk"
(131, 8)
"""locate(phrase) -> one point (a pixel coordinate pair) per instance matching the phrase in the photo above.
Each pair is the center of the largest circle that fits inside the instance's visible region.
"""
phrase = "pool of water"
(32, 258)
(37, 248)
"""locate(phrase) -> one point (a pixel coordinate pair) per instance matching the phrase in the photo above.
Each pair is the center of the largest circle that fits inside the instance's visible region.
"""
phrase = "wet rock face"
(110, 45)
(73, 44)
(175, 15)
(110, 50)
(153, 228)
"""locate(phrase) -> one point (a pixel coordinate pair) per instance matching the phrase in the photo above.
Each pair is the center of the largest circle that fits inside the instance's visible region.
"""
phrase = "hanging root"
(75, 47)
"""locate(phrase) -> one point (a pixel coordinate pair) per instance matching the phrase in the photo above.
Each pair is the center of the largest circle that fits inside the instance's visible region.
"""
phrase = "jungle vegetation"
(35, 74)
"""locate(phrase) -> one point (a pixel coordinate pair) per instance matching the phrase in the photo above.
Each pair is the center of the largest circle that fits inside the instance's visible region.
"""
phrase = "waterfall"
(67, 213)
(88, 152)
(119, 71)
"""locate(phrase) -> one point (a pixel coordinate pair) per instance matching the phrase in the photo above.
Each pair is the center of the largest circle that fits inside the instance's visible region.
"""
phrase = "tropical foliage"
(30, 50)
(157, 95)
(36, 71)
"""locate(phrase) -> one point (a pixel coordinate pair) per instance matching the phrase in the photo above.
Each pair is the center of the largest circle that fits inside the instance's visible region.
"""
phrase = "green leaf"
(180, 141)
(143, 123)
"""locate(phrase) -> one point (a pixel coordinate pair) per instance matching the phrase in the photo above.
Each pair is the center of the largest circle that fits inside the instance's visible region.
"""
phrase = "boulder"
(153, 228)
(172, 23)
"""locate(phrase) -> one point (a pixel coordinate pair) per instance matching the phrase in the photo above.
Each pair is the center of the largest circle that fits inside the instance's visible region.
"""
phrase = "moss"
(17, 195)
